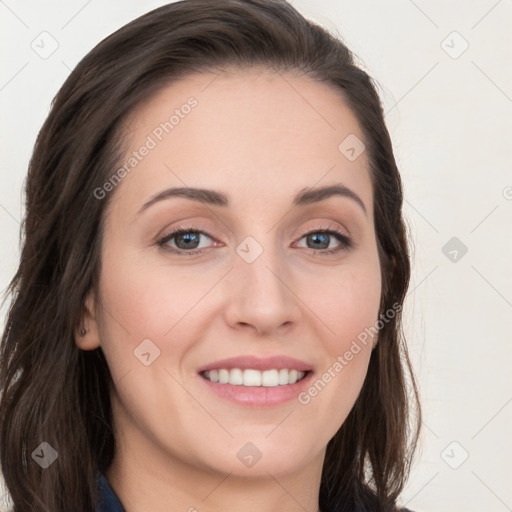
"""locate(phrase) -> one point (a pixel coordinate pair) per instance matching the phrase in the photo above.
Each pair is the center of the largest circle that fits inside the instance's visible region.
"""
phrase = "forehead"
(254, 133)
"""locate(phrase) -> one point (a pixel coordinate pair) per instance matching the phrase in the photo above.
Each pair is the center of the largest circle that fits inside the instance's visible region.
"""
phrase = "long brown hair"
(51, 391)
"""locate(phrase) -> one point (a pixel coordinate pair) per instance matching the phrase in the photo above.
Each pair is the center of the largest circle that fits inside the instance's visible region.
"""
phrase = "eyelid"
(163, 239)
(326, 226)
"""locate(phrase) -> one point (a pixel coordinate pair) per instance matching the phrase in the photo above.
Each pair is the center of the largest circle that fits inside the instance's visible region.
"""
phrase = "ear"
(87, 336)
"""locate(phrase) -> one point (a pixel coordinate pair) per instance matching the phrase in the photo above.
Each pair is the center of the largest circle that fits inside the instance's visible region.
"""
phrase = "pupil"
(188, 238)
(318, 236)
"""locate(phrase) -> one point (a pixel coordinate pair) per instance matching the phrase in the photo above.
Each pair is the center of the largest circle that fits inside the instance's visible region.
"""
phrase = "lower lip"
(258, 396)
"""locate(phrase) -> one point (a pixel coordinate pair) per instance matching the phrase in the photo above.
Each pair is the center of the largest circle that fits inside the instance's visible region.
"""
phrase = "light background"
(450, 118)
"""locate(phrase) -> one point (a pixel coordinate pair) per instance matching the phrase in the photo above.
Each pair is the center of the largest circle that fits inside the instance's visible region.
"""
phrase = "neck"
(144, 477)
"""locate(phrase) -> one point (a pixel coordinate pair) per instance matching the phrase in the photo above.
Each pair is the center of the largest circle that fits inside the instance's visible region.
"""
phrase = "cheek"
(349, 304)
(350, 308)
(145, 298)
(137, 305)
(144, 312)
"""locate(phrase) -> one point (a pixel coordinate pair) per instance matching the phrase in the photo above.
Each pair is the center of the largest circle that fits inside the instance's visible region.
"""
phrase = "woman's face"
(271, 290)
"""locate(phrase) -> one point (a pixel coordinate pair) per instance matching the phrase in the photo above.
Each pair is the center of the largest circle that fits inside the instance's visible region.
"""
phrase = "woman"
(206, 315)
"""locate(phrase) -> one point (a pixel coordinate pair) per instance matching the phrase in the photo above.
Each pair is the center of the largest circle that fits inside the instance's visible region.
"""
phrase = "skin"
(259, 141)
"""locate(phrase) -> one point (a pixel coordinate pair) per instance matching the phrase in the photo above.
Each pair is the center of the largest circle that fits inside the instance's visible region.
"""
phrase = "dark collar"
(109, 502)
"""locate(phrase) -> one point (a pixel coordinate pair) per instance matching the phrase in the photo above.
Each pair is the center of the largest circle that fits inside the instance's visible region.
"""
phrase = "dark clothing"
(109, 502)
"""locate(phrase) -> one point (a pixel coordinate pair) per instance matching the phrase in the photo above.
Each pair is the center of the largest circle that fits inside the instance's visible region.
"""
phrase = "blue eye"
(322, 237)
(187, 241)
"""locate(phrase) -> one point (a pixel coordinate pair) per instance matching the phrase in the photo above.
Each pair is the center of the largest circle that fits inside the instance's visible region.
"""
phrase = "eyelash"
(345, 241)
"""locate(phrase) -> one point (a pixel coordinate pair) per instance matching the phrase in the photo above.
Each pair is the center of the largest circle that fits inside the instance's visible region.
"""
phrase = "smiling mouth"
(254, 378)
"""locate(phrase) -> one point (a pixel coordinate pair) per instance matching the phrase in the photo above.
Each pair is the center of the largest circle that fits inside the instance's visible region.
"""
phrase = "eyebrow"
(304, 197)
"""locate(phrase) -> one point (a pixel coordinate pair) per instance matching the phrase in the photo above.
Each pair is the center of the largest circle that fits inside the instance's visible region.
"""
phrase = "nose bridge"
(262, 296)
(261, 266)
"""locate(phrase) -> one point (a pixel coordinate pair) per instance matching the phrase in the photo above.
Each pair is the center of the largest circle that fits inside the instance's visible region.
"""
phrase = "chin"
(260, 457)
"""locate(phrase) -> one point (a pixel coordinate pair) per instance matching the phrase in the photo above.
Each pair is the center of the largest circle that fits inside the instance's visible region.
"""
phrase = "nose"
(261, 295)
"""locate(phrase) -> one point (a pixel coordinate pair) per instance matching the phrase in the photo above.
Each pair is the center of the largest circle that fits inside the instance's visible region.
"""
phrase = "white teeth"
(270, 378)
(254, 378)
(283, 377)
(236, 377)
(223, 376)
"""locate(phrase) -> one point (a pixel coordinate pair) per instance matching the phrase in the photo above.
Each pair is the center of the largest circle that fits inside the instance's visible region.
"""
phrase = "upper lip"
(257, 363)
